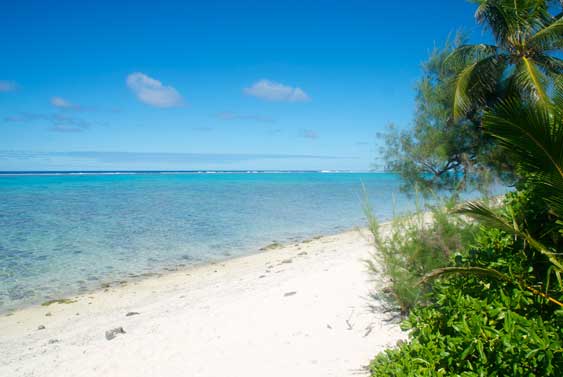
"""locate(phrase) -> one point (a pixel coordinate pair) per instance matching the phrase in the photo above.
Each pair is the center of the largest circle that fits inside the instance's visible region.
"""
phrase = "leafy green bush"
(472, 336)
(477, 325)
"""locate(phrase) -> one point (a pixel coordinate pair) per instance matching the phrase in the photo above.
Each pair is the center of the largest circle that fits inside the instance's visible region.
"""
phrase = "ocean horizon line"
(206, 171)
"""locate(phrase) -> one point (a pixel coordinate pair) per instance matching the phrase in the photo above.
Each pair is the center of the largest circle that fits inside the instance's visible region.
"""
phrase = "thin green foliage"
(413, 245)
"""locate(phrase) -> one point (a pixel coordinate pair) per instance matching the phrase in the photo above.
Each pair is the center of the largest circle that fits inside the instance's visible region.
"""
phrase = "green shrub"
(476, 325)
(466, 335)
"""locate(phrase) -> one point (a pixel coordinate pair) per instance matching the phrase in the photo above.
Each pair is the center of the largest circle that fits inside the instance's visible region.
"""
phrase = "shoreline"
(311, 296)
(178, 268)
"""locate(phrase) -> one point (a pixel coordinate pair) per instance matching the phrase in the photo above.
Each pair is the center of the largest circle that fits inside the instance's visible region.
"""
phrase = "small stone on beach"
(129, 314)
(110, 334)
(40, 327)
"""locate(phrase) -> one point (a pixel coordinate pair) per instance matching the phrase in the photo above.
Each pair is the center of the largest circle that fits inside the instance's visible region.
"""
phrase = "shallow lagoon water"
(63, 234)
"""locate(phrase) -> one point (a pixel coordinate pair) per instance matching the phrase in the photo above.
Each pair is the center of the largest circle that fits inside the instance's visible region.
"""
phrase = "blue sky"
(211, 84)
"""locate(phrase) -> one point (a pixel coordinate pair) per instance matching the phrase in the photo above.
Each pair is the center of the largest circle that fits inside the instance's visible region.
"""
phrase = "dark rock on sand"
(110, 334)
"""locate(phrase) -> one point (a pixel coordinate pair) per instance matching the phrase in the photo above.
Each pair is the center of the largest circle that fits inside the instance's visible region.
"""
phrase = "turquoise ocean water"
(68, 233)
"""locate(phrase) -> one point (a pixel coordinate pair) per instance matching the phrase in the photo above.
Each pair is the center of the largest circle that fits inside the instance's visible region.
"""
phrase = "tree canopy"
(446, 147)
(523, 61)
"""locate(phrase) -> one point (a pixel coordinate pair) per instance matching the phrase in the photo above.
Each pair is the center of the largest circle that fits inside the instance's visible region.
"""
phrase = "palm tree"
(521, 63)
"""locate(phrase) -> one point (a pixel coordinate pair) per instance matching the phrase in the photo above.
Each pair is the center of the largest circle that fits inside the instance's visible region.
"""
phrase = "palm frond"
(465, 54)
(532, 81)
(486, 272)
(489, 217)
(486, 216)
(551, 65)
(475, 82)
(550, 187)
(512, 22)
(549, 37)
(544, 250)
(558, 91)
(439, 272)
(495, 17)
(533, 134)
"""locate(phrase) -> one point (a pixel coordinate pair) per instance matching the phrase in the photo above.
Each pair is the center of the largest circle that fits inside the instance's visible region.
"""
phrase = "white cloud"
(62, 103)
(8, 86)
(274, 91)
(152, 92)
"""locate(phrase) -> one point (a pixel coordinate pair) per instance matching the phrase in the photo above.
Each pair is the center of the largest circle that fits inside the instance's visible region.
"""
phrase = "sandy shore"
(298, 310)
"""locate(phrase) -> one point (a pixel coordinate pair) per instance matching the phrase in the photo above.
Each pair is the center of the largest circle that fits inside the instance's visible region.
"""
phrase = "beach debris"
(272, 246)
(58, 301)
(110, 334)
(348, 323)
(129, 314)
(290, 293)
(40, 327)
(53, 341)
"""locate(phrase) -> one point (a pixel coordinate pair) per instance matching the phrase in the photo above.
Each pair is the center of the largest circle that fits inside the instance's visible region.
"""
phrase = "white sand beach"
(298, 310)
